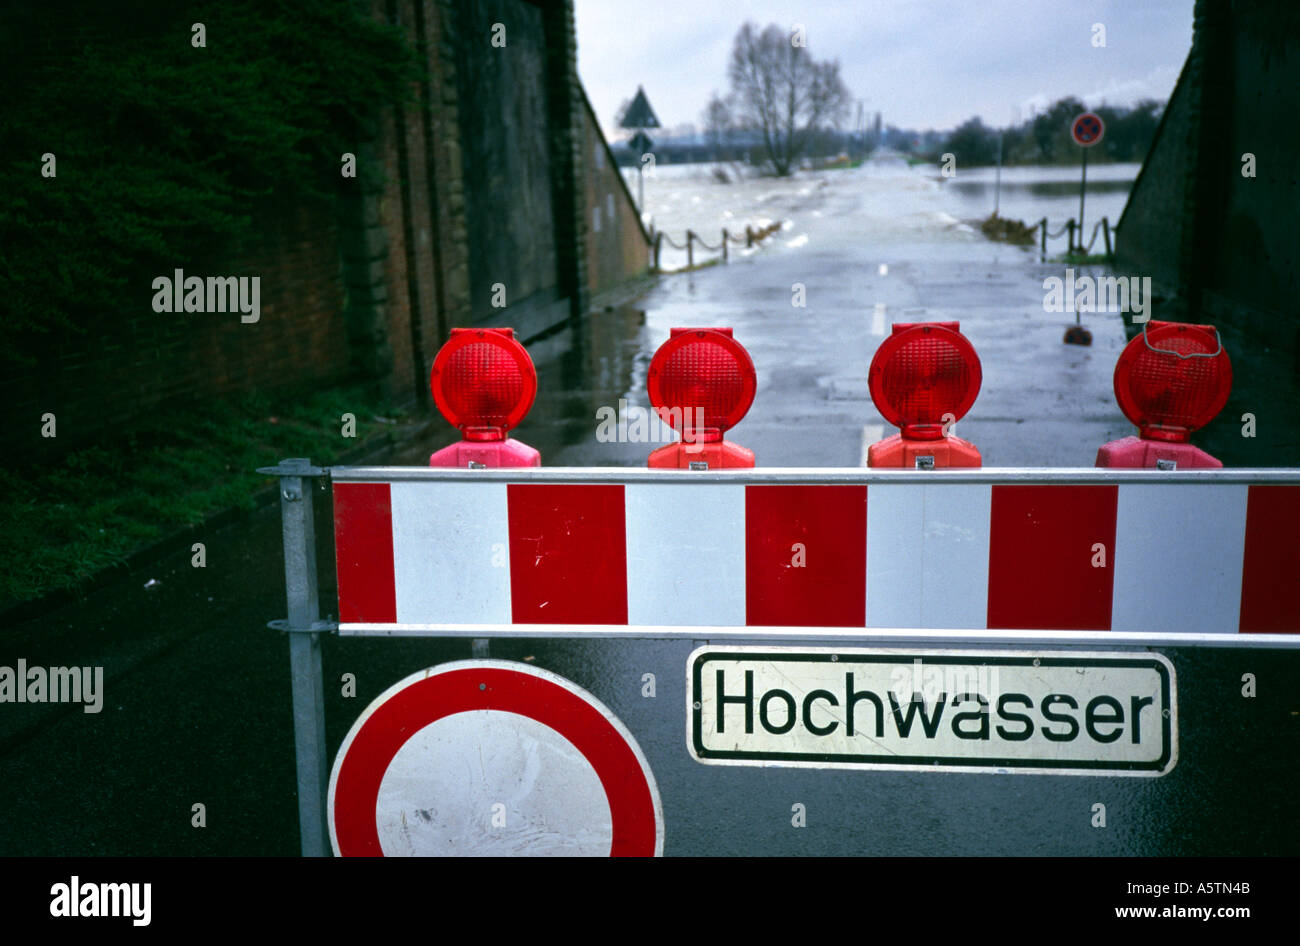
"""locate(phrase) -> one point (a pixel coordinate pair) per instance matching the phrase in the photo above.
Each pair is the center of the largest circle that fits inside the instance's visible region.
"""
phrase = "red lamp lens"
(483, 382)
(1168, 396)
(703, 382)
(922, 372)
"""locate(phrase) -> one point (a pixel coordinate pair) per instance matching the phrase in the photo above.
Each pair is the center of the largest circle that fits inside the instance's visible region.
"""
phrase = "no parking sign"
(1087, 129)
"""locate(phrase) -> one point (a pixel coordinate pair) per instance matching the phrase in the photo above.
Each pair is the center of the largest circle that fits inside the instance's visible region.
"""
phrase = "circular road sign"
(1087, 129)
(491, 757)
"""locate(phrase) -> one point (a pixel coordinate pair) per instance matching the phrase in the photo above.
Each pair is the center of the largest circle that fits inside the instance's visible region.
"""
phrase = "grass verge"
(66, 521)
(1083, 259)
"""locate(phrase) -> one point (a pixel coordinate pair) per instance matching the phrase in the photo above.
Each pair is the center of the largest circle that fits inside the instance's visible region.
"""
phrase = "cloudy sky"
(923, 63)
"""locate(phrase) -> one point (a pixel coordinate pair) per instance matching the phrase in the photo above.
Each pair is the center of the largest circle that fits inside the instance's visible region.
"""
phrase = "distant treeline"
(1043, 139)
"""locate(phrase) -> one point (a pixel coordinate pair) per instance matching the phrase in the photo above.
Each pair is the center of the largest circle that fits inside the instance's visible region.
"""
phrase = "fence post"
(659, 243)
(1043, 227)
(724, 244)
(1070, 226)
(304, 652)
(1105, 232)
(690, 249)
(749, 236)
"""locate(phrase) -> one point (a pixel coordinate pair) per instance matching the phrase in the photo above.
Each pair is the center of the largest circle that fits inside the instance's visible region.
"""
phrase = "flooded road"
(885, 205)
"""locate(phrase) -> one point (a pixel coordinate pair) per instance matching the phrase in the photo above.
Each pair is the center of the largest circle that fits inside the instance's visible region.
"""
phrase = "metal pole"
(1043, 225)
(724, 244)
(690, 250)
(997, 181)
(640, 184)
(659, 244)
(1105, 232)
(1083, 189)
(304, 655)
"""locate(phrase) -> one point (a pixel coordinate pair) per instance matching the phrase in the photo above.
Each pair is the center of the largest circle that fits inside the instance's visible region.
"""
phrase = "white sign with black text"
(1062, 713)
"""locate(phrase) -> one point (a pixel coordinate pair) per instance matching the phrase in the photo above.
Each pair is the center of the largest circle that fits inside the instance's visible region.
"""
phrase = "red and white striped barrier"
(1203, 553)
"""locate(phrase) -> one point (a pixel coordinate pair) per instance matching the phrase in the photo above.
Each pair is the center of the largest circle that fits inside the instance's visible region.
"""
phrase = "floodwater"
(909, 211)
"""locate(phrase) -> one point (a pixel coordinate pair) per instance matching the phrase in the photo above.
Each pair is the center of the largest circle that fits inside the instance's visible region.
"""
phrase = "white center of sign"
(491, 783)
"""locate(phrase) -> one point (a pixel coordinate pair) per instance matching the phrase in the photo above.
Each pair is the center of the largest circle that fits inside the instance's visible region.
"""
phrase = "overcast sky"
(923, 63)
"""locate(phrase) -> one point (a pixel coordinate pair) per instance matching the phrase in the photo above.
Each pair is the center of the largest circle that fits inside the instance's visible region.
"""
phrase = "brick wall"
(365, 288)
(617, 245)
(121, 371)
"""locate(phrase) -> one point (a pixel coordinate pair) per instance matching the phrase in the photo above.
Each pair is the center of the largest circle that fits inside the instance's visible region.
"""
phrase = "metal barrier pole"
(1083, 190)
(305, 652)
(690, 250)
(724, 244)
(1070, 225)
(659, 245)
(1043, 224)
(1105, 232)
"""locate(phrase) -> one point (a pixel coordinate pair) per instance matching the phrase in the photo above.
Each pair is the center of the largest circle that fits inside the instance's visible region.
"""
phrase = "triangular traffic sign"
(639, 114)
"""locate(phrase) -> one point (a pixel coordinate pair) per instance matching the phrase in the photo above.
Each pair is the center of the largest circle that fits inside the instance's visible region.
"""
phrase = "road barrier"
(753, 235)
(1070, 226)
(1049, 565)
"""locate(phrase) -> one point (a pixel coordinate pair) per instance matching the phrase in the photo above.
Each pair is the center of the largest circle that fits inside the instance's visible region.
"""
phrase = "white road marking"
(878, 320)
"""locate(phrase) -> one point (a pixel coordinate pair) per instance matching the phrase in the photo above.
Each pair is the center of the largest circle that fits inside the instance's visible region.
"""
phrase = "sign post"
(641, 145)
(297, 478)
(1087, 130)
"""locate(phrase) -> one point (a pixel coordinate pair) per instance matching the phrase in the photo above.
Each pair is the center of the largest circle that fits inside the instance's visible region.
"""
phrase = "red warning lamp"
(701, 382)
(1169, 381)
(483, 382)
(924, 378)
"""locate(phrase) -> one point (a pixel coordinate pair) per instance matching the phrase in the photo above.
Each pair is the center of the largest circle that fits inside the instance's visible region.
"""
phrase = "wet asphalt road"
(197, 699)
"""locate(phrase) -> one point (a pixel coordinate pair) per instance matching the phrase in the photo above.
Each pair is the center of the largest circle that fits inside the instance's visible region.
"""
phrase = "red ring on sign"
(376, 739)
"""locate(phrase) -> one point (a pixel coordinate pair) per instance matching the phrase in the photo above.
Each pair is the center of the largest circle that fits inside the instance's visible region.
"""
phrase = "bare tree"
(779, 89)
(716, 119)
